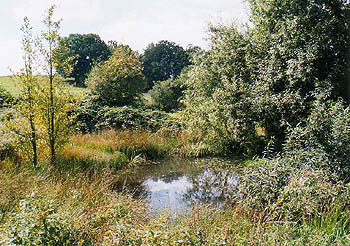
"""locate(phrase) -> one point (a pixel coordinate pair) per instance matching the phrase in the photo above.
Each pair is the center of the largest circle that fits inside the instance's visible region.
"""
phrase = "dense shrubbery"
(5, 98)
(37, 223)
(94, 116)
(165, 95)
(267, 77)
(119, 80)
(308, 179)
(323, 140)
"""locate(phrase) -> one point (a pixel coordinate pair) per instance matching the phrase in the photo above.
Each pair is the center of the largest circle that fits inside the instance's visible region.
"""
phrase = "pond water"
(178, 184)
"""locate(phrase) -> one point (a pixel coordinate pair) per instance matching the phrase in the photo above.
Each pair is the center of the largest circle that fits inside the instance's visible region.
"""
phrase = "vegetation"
(163, 60)
(166, 95)
(42, 111)
(119, 80)
(274, 91)
(87, 50)
(5, 98)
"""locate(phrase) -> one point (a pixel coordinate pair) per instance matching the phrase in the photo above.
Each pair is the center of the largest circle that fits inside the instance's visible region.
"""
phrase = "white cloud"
(70, 10)
(133, 22)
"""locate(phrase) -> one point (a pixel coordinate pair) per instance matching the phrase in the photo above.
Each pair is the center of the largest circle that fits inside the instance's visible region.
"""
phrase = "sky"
(133, 22)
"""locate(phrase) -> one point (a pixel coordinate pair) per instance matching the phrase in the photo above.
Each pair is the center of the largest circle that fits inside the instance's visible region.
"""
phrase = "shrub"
(261, 185)
(93, 116)
(166, 95)
(37, 223)
(323, 141)
(309, 193)
(5, 98)
(119, 80)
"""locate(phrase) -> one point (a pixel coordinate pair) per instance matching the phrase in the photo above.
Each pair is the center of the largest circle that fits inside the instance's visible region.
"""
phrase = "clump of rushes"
(113, 149)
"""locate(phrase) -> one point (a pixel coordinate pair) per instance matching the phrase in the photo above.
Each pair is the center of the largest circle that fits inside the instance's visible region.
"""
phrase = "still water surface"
(178, 184)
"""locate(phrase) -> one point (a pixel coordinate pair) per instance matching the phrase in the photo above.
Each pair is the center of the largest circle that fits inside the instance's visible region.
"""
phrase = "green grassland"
(9, 84)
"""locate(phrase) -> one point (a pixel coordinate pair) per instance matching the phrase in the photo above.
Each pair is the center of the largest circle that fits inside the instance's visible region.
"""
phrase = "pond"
(178, 184)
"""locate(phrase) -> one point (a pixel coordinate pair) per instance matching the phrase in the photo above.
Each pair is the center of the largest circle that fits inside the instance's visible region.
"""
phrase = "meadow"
(9, 84)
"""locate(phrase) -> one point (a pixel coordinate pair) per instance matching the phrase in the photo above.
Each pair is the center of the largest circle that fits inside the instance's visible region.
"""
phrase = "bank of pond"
(139, 188)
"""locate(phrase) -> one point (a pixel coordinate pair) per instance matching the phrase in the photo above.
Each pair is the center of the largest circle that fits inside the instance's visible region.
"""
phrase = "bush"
(119, 80)
(261, 185)
(323, 141)
(309, 193)
(37, 223)
(93, 116)
(166, 95)
(5, 98)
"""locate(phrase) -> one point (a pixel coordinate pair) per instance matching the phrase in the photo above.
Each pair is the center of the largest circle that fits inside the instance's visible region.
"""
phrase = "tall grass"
(115, 149)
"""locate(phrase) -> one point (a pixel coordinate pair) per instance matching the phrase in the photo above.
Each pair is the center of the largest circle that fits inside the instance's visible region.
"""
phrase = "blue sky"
(133, 22)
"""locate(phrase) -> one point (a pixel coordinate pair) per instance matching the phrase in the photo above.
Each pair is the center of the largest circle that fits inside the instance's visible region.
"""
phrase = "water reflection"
(178, 184)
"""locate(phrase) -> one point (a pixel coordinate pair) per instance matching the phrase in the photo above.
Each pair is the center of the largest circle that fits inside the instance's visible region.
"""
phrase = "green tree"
(87, 50)
(302, 52)
(166, 94)
(119, 80)
(42, 112)
(216, 107)
(25, 127)
(163, 60)
(254, 85)
(56, 102)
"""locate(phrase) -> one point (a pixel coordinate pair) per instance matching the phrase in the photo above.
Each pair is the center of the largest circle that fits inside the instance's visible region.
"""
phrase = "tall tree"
(25, 127)
(55, 99)
(266, 80)
(163, 60)
(87, 49)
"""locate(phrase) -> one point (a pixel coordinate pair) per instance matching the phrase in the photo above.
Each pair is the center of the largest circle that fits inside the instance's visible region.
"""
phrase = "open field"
(9, 83)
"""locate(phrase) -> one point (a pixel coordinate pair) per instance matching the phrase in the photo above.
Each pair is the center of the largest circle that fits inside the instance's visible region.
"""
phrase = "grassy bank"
(78, 209)
(74, 203)
(9, 84)
(117, 149)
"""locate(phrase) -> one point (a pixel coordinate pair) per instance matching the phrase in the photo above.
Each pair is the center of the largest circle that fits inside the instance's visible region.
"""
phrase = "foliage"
(166, 95)
(217, 110)
(42, 115)
(163, 60)
(302, 50)
(29, 95)
(261, 185)
(92, 116)
(5, 98)
(119, 80)
(87, 50)
(266, 76)
(309, 193)
(323, 141)
(37, 223)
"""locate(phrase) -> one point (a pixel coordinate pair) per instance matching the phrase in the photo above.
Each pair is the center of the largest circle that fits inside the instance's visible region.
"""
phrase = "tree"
(166, 94)
(259, 83)
(25, 127)
(302, 52)
(119, 80)
(163, 60)
(55, 102)
(87, 50)
(217, 112)
(42, 114)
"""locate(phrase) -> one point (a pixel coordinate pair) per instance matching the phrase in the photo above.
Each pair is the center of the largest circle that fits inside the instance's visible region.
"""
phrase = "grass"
(70, 203)
(95, 215)
(9, 84)
(115, 149)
